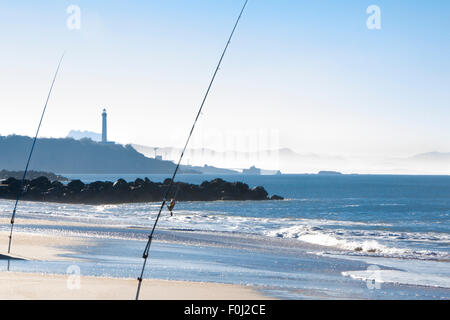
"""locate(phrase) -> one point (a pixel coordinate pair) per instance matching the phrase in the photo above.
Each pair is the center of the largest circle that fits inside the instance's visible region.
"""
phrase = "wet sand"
(28, 246)
(31, 246)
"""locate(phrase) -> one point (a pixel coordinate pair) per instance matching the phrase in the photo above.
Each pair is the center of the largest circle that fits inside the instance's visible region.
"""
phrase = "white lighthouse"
(104, 127)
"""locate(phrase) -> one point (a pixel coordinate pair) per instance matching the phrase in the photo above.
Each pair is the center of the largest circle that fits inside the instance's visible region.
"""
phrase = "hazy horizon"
(306, 76)
(289, 161)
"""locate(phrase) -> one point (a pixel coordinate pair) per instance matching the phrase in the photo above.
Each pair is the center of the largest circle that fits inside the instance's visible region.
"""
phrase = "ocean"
(333, 237)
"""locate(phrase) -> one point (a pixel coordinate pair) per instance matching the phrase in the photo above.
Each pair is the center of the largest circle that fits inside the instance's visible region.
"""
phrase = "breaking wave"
(361, 242)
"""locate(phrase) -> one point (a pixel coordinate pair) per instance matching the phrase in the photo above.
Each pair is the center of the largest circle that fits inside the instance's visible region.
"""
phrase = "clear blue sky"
(309, 70)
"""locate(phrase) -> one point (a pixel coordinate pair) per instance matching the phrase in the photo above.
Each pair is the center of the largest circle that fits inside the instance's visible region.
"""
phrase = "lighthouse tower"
(104, 127)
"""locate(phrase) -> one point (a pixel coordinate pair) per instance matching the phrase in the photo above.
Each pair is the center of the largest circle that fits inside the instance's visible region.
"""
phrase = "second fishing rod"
(22, 183)
(171, 184)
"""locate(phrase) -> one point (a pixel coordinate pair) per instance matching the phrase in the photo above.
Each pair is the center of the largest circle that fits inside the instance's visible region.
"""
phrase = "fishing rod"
(19, 193)
(150, 237)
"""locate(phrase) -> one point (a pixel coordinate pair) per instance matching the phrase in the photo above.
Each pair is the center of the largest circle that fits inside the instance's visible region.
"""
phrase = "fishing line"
(150, 237)
(19, 193)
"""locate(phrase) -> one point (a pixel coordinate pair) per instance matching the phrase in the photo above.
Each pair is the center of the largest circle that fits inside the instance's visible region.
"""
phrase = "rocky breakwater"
(120, 191)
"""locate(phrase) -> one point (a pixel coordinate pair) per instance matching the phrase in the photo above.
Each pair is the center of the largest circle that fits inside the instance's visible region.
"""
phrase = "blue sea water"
(412, 212)
(330, 238)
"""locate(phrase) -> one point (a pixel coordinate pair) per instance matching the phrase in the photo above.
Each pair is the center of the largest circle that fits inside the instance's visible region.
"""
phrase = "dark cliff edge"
(141, 190)
(79, 156)
(31, 174)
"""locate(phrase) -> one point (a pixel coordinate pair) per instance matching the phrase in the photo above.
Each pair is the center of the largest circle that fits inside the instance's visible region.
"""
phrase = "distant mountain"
(289, 161)
(78, 135)
(78, 156)
(283, 159)
(432, 156)
(211, 170)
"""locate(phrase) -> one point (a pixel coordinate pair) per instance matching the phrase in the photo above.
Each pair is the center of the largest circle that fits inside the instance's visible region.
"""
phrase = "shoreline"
(40, 247)
(272, 267)
(29, 247)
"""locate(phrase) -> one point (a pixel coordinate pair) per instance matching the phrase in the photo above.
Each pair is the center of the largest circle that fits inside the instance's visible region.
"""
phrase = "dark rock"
(259, 193)
(140, 190)
(11, 180)
(276, 197)
(120, 183)
(41, 183)
(75, 185)
(57, 185)
(139, 182)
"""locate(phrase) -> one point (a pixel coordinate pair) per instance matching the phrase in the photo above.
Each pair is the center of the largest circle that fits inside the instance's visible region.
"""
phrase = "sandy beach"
(30, 246)
(38, 286)
(19, 286)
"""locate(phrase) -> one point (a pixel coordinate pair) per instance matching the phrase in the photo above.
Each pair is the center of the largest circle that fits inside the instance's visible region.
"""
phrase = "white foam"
(353, 236)
(400, 277)
(359, 242)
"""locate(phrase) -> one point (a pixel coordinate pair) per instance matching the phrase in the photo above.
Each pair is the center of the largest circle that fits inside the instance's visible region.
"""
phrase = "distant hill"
(78, 156)
(271, 160)
(290, 161)
(432, 156)
(328, 173)
(78, 135)
(4, 174)
(211, 170)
